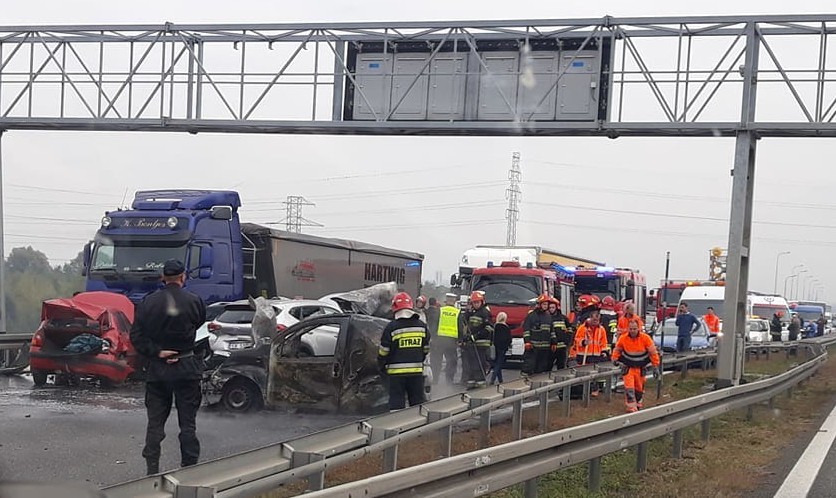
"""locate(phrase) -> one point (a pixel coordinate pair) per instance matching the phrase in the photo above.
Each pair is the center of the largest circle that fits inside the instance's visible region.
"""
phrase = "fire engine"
(623, 284)
(670, 293)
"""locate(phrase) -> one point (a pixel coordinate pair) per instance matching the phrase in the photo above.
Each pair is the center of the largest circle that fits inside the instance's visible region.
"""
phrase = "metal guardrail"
(264, 469)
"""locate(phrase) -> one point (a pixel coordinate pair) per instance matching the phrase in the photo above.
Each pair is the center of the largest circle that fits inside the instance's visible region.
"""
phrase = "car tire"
(39, 378)
(241, 395)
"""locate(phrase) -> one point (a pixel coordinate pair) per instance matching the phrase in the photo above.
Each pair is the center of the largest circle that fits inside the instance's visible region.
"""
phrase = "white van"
(699, 298)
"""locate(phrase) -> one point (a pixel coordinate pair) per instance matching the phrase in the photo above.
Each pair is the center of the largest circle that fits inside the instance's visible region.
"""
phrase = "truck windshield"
(766, 311)
(127, 258)
(670, 295)
(809, 315)
(508, 289)
(599, 286)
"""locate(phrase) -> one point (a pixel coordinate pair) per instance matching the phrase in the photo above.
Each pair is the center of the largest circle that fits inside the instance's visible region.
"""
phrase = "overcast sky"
(373, 188)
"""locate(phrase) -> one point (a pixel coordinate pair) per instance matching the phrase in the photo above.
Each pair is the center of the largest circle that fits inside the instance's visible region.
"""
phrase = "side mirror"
(630, 294)
(221, 213)
(454, 280)
(88, 257)
(204, 273)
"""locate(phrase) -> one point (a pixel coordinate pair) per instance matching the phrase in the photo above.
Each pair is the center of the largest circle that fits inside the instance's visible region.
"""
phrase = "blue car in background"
(701, 339)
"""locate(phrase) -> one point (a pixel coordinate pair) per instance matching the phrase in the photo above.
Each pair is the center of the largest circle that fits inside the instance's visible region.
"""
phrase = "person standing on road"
(404, 345)
(775, 327)
(795, 327)
(501, 343)
(444, 346)
(821, 323)
(421, 307)
(625, 319)
(562, 335)
(164, 332)
(476, 341)
(590, 346)
(538, 337)
(686, 324)
(712, 321)
(633, 352)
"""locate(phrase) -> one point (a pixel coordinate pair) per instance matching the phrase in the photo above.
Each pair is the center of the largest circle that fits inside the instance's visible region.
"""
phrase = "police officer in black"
(164, 332)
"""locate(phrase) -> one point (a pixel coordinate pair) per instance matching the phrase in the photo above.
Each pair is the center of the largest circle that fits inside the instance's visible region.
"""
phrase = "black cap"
(173, 267)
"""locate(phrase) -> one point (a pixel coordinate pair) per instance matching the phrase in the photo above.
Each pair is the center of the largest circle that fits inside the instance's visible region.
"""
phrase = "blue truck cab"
(199, 227)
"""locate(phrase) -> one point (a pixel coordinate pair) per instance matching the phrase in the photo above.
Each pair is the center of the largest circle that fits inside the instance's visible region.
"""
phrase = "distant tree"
(74, 266)
(27, 259)
(431, 289)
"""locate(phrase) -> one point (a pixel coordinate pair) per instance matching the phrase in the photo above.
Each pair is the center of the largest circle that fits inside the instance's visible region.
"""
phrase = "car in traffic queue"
(700, 340)
(342, 377)
(758, 332)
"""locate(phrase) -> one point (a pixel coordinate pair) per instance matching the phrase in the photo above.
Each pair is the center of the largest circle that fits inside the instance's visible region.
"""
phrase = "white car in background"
(758, 331)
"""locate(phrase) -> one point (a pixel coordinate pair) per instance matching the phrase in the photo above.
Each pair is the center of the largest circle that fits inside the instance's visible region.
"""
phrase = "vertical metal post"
(706, 429)
(484, 430)
(198, 111)
(339, 81)
(730, 354)
(516, 421)
(595, 474)
(567, 400)
(530, 488)
(660, 380)
(684, 372)
(641, 457)
(2, 246)
(316, 481)
(390, 459)
(544, 412)
(677, 444)
(587, 390)
(608, 383)
(445, 437)
(190, 81)
(750, 413)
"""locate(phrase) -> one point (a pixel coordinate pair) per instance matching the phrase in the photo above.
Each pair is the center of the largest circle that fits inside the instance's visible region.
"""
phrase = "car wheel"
(241, 395)
(39, 378)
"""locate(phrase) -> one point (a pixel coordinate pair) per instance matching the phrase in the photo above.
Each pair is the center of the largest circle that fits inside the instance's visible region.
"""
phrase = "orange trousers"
(634, 388)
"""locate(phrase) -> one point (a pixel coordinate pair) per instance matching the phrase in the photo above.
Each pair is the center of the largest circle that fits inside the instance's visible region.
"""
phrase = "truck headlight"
(171, 222)
(106, 221)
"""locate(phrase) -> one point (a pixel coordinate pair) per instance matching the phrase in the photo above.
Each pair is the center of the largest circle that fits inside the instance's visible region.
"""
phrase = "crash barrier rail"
(308, 457)
(14, 352)
(487, 470)
(264, 469)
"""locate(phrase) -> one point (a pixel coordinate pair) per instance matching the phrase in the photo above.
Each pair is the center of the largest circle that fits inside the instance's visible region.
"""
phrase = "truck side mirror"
(454, 280)
(204, 273)
(88, 256)
(630, 293)
(221, 213)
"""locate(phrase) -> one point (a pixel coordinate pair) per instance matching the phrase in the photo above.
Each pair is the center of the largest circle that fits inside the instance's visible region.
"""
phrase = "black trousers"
(537, 360)
(158, 397)
(445, 349)
(402, 387)
(560, 358)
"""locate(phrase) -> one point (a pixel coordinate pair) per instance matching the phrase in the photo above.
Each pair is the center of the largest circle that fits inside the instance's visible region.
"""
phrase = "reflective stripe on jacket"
(636, 351)
(596, 341)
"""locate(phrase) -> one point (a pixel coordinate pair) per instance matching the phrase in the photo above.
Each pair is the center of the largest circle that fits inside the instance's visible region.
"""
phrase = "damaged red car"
(87, 336)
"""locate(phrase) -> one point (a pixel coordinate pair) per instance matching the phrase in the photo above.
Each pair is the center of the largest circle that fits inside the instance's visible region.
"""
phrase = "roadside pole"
(664, 317)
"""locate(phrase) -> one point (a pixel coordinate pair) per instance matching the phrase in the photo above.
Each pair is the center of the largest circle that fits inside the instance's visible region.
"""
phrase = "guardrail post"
(587, 388)
(608, 383)
(706, 429)
(530, 488)
(544, 412)
(484, 429)
(516, 420)
(641, 457)
(567, 400)
(772, 402)
(595, 474)
(789, 392)
(316, 482)
(390, 459)
(677, 443)
(750, 413)
(684, 369)
(766, 353)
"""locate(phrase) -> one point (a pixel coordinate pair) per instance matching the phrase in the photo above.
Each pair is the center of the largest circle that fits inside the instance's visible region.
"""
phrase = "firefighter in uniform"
(609, 317)
(404, 345)
(445, 343)
(590, 345)
(538, 337)
(164, 332)
(476, 339)
(586, 305)
(633, 352)
(562, 333)
(625, 319)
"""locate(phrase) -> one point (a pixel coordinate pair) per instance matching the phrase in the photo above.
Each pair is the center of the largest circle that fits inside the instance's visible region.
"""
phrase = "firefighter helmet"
(477, 296)
(421, 301)
(556, 301)
(608, 303)
(402, 301)
(543, 298)
(587, 300)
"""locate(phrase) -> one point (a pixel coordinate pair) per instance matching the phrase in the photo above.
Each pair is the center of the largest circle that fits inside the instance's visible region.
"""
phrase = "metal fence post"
(567, 400)
(595, 474)
(516, 421)
(677, 443)
(684, 369)
(608, 383)
(641, 457)
(390, 459)
(530, 488)
(587, 388)
(485, 429)
(706, 429)
(544, 411)
(750, 413)
(316, 481)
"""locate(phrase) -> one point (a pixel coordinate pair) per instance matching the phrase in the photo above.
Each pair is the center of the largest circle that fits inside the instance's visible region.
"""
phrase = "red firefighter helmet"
(421, 301)
(402, 301)
(556, 301)
(477, 296)
(587, 300)
(608, 303)
(543, 298)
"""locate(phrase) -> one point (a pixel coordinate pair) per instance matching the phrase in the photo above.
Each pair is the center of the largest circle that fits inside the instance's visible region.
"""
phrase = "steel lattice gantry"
(745, 77)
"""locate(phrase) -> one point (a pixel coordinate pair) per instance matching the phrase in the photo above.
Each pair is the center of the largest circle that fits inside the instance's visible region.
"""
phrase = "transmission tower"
(513, 194)
(294, 221)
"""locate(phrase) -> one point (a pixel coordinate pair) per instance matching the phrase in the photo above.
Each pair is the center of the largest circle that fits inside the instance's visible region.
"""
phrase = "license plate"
(517, 346)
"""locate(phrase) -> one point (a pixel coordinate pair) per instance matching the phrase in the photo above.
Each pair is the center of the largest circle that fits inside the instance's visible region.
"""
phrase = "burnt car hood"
(375, 300)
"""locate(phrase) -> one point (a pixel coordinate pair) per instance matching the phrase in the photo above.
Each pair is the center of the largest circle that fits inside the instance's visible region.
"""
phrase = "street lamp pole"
(785, 285)
(795, 294)
(806, 278)
(777, 258)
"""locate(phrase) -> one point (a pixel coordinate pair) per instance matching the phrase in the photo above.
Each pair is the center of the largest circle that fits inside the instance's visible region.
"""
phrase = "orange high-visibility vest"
(636, 351)
(596, 339)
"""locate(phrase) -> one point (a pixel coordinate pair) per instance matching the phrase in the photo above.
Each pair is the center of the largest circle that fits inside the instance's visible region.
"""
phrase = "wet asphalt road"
(88, 435)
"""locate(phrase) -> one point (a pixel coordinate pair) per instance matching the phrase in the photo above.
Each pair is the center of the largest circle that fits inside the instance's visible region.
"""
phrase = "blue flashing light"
(572, 269)
(605, 268)
(413, 264)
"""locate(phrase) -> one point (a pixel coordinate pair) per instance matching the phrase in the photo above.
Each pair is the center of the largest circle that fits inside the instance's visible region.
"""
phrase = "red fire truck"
(623, 284)
(513, 288)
